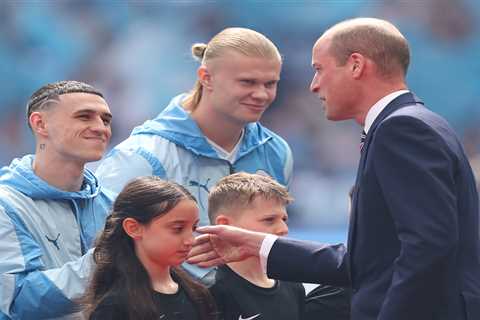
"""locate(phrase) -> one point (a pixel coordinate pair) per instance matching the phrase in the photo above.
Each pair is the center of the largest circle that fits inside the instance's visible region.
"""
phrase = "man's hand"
(222, 244)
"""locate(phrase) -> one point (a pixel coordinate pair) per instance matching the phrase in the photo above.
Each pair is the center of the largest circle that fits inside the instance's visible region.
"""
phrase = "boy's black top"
(177, 306)
(239, 299)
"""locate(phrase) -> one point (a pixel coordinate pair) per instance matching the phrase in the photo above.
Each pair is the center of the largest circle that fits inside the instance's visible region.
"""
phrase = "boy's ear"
(133, 228)
(223, 219)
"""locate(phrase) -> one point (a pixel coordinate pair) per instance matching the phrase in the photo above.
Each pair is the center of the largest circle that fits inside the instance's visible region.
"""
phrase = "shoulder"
(275, 141)
(295, 287)
(135, 143)
(15, 205)
(219, 282)
(415, 125)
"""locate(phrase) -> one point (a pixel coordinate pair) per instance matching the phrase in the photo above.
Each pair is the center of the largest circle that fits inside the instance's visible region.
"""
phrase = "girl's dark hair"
(119, 272)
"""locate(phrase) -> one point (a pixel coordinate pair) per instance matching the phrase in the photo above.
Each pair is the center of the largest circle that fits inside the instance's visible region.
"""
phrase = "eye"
(269, 220)
(248, 81)
(84, 117)
(177, 229)
(107, 121)
(194, 227)
(271, 84)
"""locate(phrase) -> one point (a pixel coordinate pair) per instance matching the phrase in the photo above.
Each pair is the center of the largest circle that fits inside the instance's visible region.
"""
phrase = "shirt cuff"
(267, 245)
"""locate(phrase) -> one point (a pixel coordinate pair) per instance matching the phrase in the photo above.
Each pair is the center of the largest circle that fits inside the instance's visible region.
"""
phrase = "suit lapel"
(406, 99)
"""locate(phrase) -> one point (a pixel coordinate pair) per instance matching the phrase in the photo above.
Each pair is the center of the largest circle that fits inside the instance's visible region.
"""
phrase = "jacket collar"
(176, 125)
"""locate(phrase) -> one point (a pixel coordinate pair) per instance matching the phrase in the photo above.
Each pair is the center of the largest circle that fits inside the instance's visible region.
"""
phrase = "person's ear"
(357, 63)
(38, 123)
(133, 228)
(204, 77)
(223, 219)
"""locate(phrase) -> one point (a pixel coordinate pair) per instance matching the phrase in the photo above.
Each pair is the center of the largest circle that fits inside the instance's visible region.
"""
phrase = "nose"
(260, 93)
(282, 229)
(314, 84)
(98, 126)
(189, 239)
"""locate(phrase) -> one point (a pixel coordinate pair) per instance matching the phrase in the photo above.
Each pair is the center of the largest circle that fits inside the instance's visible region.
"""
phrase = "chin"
(93, 157)
(335, 117)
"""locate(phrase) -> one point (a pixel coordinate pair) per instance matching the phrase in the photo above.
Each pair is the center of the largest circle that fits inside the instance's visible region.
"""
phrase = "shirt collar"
(378, 107)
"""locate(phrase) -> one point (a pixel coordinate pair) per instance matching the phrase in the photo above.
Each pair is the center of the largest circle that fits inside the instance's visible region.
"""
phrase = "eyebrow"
(107, 115)
(274, 214)
(182, 221)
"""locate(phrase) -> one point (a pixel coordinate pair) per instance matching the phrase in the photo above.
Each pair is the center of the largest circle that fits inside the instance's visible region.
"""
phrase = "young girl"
(148, 234)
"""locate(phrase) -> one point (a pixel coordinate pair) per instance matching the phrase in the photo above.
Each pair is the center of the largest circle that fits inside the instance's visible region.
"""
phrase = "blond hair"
(239, 190)
(242, 40)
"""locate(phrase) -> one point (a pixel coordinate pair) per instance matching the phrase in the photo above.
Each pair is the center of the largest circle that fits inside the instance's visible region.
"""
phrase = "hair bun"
(198, 51)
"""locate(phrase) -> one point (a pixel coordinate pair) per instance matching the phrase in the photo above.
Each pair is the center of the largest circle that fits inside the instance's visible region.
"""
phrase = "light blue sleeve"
(27, 290)
(122, 165)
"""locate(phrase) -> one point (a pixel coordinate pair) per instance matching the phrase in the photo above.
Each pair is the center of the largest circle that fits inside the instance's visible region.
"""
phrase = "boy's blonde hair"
(239, 190)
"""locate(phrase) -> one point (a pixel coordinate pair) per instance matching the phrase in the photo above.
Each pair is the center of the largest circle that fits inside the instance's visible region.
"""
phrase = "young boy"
(241, 289)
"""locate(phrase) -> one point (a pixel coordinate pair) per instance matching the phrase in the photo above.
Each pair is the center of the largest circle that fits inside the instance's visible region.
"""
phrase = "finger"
(201, 239)
(202, 257)
(209, 229)
(211, 263)
(200, 249)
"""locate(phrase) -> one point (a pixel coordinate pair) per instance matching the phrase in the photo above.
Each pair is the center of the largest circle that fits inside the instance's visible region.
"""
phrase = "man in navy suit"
(413, 244)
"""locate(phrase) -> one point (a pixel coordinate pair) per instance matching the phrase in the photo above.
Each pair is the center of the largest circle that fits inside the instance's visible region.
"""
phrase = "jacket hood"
(176, 125)
(20, 176)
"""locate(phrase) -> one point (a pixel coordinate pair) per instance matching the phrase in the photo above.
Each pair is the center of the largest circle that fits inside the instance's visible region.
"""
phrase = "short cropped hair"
(42, 98)
(377, 39)
(239, 190)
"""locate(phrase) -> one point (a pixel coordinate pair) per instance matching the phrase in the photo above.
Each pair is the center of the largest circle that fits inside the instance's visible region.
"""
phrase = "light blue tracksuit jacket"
(173, 147)
(45, 234)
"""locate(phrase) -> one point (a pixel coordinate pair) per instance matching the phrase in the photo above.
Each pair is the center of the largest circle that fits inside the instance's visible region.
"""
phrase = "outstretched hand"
(222, 244)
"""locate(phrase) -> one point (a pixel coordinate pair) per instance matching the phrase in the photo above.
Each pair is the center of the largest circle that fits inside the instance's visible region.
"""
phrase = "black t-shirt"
(177, 306)
(239, 299)
(328, 302)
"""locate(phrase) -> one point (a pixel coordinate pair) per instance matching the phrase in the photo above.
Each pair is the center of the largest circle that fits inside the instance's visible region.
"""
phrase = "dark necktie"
(363, 136)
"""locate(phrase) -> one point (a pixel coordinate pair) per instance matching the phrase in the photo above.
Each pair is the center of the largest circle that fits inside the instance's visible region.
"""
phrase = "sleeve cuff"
(267, 245)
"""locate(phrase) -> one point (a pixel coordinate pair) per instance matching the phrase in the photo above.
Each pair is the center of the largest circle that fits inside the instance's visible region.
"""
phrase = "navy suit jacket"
(413, 244)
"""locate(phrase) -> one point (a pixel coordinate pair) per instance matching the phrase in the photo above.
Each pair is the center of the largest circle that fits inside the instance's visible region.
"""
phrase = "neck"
(160, 276)
(162, 280)
(373, 96)
(64, 175)
(251, 270)
(222, 130)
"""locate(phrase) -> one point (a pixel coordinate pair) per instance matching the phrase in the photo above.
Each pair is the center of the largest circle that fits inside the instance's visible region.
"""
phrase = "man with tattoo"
(51, 206)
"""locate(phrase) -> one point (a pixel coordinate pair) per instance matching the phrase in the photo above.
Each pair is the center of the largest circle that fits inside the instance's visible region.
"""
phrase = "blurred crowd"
(138, 54)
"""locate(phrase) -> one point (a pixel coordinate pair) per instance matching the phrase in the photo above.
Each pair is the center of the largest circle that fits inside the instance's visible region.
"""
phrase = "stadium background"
(138, 54)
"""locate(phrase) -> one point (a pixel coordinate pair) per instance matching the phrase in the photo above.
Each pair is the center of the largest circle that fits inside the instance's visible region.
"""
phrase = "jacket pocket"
(472, 306)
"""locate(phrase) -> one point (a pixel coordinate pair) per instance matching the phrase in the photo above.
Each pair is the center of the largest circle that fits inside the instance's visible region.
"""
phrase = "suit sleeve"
(415, 170)
(304, 261)
(27, 289)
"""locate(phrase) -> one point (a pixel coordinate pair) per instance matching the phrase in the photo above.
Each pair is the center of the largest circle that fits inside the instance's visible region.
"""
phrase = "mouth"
(103, 140)
(183, 252)
(255, 107)
(323, 102)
